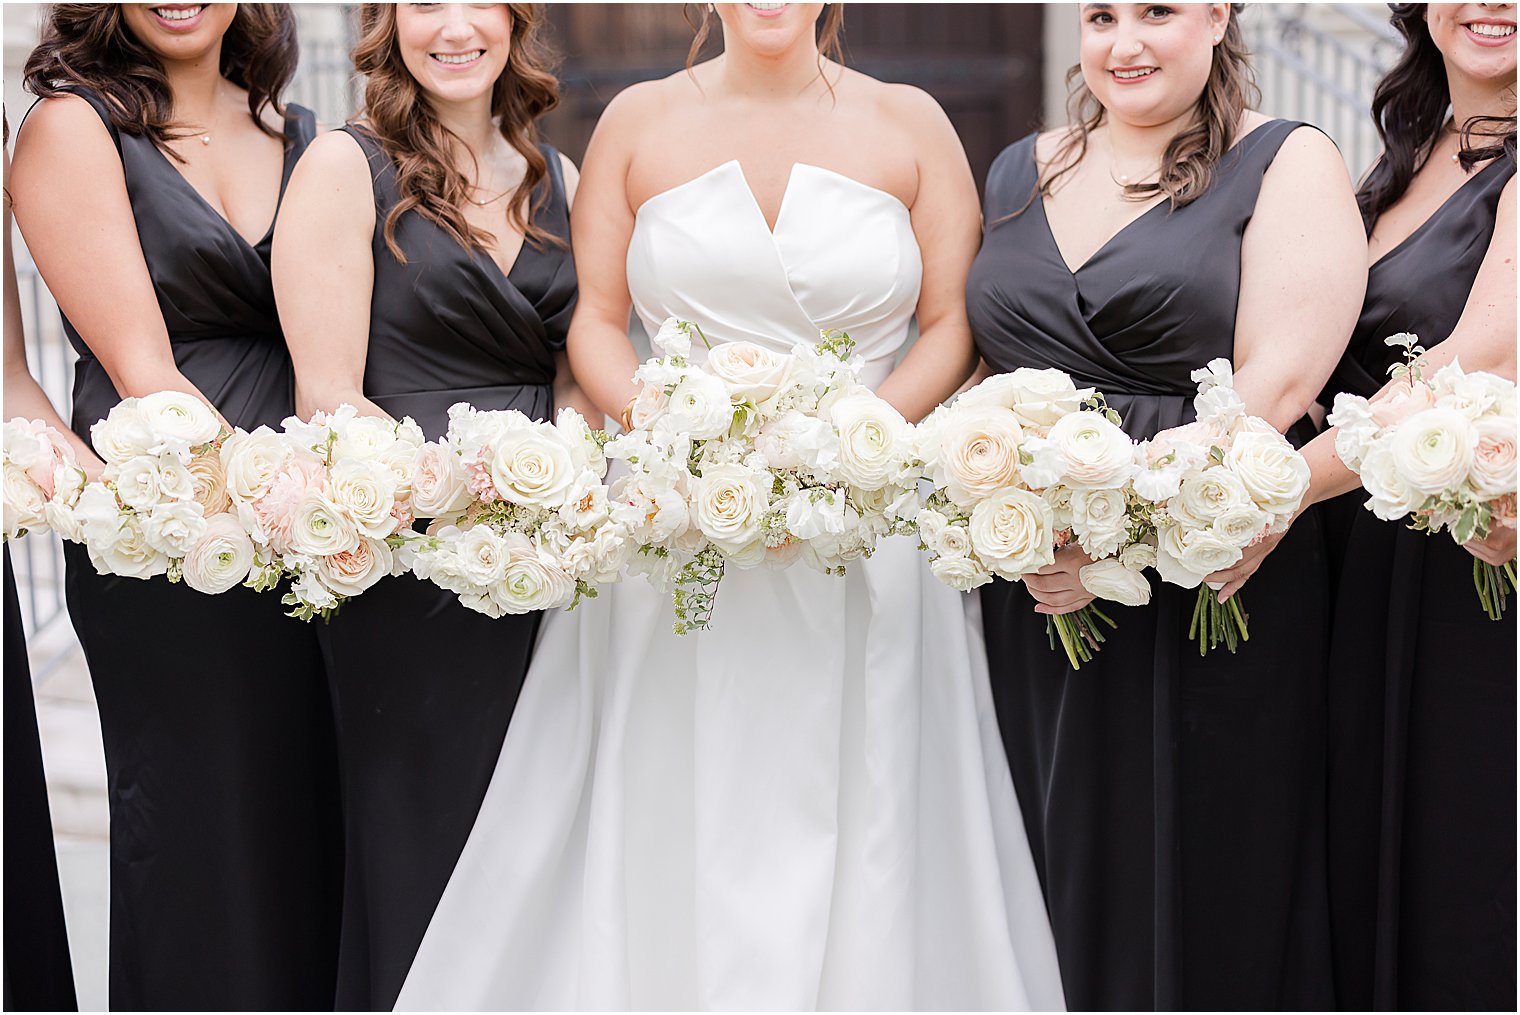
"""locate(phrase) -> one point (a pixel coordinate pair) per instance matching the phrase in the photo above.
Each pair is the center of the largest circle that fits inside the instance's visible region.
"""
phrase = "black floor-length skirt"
(1422, 777)
(38, 974)
(226, 862)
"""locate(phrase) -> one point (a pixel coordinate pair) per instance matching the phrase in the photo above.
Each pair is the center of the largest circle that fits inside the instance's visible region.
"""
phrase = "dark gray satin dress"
(225, 843)
(1422, 692)
(1174, 805)
(422, 687)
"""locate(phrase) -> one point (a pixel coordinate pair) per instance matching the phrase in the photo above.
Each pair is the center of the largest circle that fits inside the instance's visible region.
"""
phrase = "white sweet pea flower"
(671, 339)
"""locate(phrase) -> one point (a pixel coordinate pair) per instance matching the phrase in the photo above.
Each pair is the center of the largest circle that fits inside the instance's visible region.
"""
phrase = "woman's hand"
(1057, 587)
(1235, 578)
(1497, 549)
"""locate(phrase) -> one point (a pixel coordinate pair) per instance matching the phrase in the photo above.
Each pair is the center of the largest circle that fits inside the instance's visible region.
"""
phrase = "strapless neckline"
(735, 168)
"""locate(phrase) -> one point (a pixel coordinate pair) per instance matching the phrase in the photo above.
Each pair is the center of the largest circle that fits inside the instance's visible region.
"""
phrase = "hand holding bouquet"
(42, 480)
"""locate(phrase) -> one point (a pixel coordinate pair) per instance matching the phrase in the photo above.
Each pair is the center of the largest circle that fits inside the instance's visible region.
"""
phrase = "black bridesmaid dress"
(38, 973)
(1422, 692)
(422, 687)
(1174, 804)
(225, 841)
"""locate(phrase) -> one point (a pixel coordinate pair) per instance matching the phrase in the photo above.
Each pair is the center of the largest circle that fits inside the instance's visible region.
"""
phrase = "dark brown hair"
(1187, 165)
(90, 46)
(397, 112)
(1409, 109)
(829, 44)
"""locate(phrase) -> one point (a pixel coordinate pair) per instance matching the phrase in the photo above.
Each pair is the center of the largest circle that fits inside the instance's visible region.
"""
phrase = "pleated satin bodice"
(1439, 261)
(1154, 303)
(213, 288)
(448, 325)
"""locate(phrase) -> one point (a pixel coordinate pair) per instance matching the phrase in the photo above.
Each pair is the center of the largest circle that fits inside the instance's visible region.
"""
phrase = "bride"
(806, 806)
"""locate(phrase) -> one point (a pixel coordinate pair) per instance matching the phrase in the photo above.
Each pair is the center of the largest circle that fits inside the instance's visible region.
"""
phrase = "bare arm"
(567, 391)
(23, 395)
(324, 274)
(947, 222)
(601, 357)
(71, 202)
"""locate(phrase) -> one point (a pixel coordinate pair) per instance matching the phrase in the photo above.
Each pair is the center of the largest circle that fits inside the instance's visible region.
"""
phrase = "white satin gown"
(805, 807)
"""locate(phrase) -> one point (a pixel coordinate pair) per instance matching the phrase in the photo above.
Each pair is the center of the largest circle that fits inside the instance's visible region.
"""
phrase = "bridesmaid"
(422, 261)
(1174, 803)
(39, 975)
(1422, 698)
(146, 182)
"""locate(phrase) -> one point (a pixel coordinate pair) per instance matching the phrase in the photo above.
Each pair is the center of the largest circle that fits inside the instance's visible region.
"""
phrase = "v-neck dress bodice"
(448, 326)
(842, 257)
(213, 288)
(1151, 305)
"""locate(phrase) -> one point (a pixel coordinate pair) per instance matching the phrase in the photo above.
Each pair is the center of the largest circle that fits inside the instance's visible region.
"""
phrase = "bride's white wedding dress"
(806, 806)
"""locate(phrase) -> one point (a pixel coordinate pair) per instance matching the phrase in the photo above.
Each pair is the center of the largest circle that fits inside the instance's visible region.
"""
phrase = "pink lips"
(1488, 40)
(767, 14)
(184, 25)
(1114, 73)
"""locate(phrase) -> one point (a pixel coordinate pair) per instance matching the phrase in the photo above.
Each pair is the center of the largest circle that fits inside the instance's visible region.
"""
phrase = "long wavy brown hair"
(397, 113)
(90, 46)
(701, 18)
(1409, 108)
(1187, 165)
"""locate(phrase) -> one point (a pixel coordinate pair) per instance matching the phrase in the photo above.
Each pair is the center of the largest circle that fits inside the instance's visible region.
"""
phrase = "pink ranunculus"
(276, 509)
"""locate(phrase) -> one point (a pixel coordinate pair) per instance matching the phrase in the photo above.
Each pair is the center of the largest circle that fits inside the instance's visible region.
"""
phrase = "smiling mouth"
(1134, 73)
(766, 8)
(1490, 30)
(178, 15)
(458, 59)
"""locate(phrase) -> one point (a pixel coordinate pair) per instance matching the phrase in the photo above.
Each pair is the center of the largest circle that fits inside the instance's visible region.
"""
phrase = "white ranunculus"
(752, 372)
(440, 488)
(728, 502)
(1037, 397)
(179, 419)
(365, 490)
(1493, 467)
(533, 581)
(320, 527)
(1110, 579)
(173, 527)
(221, 558)
(979, 452)
(1097, 453)
(873, 439)
(123, 434)
(531, 465)
(349, 572)
(1012, 532)
(1433, 450)
(24, 502)
(960, 573)
(129, 554)
(1205, 495)
(793, 440)
(1273, 472)
(700, 407)
(1391, 497)
(671, 339)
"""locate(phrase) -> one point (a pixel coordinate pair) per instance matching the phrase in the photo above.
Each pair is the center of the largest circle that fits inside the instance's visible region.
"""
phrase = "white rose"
(873, 439)
(793, 440)
(440, 488)
(727, 504)
(1012, 532)
(320, 527)
(1206, 495)
(672, 338)
(24, 503)
(1239, 526)
(123, 434)
(178, 418)
(532, 581)
(1097, 453)
(1038, 398)
(98, 515)
(173, 527)
(363, 437)
(1433, 450)
(960, 573)
(979, 452)
(250, 460)
(1204, 552)
(1391, 497)
(531, 465)
(221, 558)
(1138, 556)
(753, 373)
(129, 554)
(649, 405)
(700, 407)
(364, 490)
(349, 572)
(1100, 519)
(1272, 470)
(1493, 467)
(1110, 579)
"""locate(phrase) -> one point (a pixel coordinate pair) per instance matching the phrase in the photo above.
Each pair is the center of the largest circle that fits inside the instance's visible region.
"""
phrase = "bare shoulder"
(643, 100)
(61, 122)
(1307, 154)
(334, 155)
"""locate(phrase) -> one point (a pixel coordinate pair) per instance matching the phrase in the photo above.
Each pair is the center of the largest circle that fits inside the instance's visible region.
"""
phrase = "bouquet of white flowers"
(1217, 485)
(1020, 469)
(326, 502)
(1441, 449)
(162, 505)
(756, 457)
(521, 516)
(42, 480)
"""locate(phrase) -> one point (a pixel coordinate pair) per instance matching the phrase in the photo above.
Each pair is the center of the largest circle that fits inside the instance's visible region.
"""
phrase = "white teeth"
(177, 14)
(767, 7)
(1127, 75)
(1493, 31)
(458, 57)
